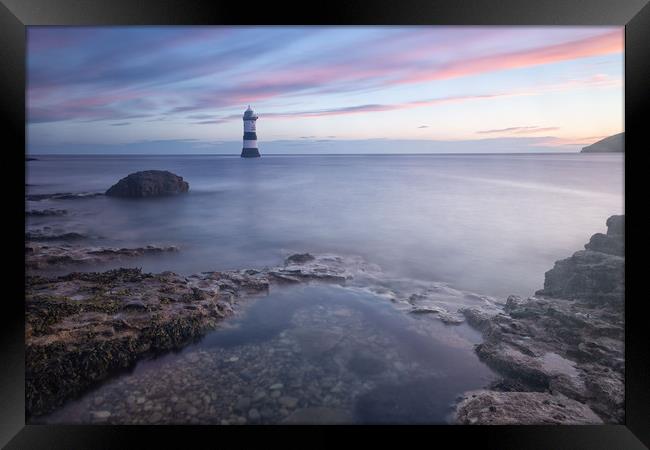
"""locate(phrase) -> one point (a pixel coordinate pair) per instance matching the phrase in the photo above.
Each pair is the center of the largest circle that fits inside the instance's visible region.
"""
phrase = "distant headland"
(611, 144)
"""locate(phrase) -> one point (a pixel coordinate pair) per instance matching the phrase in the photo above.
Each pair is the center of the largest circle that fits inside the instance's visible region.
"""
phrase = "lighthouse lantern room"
(250, 136)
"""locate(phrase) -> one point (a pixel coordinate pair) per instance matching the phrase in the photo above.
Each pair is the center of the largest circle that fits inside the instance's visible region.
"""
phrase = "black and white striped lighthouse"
(250, 136)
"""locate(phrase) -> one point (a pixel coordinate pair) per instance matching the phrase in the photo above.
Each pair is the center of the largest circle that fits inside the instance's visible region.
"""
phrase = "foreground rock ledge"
(148, 183)
(82, 327)
(522, 408)
(40, 256)
(567, 340)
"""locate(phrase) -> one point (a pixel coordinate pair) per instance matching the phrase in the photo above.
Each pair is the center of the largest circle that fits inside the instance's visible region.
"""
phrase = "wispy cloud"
(85, 74)
(519, 130)
(164, 80)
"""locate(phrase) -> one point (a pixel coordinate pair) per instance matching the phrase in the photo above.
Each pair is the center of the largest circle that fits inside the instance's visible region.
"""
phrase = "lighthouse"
(250, 136)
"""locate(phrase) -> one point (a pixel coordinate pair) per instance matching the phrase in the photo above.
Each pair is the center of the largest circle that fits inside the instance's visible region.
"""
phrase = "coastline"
(560, 352)
(82, 327)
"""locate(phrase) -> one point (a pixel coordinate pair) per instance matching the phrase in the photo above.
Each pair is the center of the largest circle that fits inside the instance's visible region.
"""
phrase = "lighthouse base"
(250, 153)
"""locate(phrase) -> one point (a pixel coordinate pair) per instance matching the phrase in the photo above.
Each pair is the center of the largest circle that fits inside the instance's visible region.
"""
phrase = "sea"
(486, 224)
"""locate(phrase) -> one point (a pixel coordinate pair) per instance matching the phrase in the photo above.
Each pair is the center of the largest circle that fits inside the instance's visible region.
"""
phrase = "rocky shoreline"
(82, 327)
(561, 352)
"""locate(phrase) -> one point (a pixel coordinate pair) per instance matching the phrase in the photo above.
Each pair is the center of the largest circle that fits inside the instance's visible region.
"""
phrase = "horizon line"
(313, 154)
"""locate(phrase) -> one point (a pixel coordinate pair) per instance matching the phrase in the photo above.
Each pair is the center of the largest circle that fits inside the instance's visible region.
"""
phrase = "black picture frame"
(15, 15)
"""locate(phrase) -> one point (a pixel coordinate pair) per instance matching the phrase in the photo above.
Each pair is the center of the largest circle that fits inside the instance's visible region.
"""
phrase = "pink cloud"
(531, 129)
(604, 44)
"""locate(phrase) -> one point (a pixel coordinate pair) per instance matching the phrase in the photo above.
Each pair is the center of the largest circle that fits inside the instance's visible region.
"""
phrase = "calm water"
(307, 354)
(491, 224)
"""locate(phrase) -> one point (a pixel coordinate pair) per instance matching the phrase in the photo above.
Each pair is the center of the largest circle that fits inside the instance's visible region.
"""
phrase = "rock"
(319, 416)
(612, 243)
(615, 144)
(242, 404)
(62, 196)
(522, 408)
(366, 365)
(149, 183)
(314, 343)
(192, 357)
(288, 402)
(45, 256)
(46, 212)
(254, 415)
(567, 340)
(616, 225)
(135, 305)
(101, 415)
(587, 274)
(42, 235)
(404, 402)
(259, 395)
(299, 258)
(604, 243)
(276, 386)
(441, 313)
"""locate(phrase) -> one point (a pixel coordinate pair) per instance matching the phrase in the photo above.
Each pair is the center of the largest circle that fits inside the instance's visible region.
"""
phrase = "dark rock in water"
(46, 212)
(46, 234)
(46, 256)
(149, 183)
(299, 258)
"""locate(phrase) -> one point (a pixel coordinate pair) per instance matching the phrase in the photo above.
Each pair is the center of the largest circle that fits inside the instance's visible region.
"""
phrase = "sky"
(173, 89)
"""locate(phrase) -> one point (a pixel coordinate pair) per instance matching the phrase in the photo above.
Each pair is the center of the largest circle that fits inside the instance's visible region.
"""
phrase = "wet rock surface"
(83, 326)
(233, 378)
(595, 274)
(62, 196)
(522, 408)
(148, 183)
(48, 234)
(566, 340)
(39, 256)
(48, 212)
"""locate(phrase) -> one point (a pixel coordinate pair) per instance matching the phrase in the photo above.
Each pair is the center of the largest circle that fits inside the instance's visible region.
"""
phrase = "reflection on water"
(306, 354)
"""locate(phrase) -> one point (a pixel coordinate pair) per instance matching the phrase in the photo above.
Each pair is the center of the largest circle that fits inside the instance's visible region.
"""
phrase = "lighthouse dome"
(249, 112)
